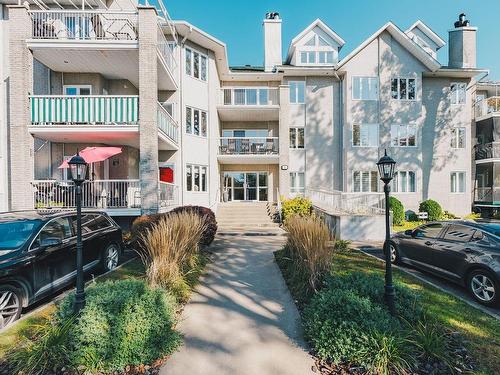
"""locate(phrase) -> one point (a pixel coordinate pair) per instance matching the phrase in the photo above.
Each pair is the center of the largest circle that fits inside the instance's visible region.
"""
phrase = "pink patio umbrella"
(95, 154)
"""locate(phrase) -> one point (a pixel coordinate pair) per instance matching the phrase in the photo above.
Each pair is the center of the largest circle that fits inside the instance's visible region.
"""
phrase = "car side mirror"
(409, 232)
(48, 242)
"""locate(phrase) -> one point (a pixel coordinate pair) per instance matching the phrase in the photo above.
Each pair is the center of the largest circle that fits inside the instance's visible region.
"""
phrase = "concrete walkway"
(241, 319)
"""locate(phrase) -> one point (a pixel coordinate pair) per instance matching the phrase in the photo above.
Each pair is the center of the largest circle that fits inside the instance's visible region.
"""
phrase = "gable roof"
(428, 32)
(427, 60)
(323, 26)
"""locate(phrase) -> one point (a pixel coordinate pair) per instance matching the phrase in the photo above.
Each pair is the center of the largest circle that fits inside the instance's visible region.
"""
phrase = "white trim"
(457, 183)
(428, 32)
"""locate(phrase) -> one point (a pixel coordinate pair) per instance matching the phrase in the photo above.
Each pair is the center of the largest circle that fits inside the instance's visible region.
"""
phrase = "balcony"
(169, 129)
(487, 107)
(249, 104)
(489, 196)
(484, 152)
(248, 150)
(117, 197)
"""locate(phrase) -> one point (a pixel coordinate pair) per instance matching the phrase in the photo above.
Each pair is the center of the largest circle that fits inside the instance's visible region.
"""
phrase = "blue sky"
(239, 23)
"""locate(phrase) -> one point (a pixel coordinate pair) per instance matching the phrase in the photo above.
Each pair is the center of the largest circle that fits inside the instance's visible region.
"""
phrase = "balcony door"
(246, 186)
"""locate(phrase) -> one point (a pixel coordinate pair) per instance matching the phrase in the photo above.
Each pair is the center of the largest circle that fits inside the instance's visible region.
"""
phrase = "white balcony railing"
(249, 146)
(167, 124)
(168, 195)
(487, 151)
(166, 50)
(92, 109)
(84, 25)
(250, 96)
(489, 195)
(352, 203)
(95, 194)
(487, 106)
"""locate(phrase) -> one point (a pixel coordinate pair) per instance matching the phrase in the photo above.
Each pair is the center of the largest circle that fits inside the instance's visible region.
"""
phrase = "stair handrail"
(278, 205)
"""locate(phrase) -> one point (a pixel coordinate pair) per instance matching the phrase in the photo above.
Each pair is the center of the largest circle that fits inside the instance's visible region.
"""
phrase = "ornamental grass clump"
(309, 249)
(171, 251)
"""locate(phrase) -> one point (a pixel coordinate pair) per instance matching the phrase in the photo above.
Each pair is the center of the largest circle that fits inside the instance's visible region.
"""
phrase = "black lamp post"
(78, 167)
(386, 170)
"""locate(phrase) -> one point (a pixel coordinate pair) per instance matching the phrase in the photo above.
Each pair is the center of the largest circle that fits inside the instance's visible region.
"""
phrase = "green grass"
(26, 328)
(481, 331)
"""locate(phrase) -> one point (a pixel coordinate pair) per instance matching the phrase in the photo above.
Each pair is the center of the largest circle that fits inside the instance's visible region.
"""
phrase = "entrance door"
(246, 186)
(251, 186)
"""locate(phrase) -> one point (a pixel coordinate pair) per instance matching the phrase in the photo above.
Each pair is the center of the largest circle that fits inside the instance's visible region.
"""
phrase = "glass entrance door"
(251, 187)
(246, 186)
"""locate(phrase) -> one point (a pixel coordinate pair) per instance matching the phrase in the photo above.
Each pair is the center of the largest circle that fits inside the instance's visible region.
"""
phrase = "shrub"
(208, 216)
(140, 225)
(342, 245)
(309, 248)
(398, 211)
(123, 323)
(432, 208)
(447, 215)
(431, 341)
(296, 206)
(171, 253)
(472, 216)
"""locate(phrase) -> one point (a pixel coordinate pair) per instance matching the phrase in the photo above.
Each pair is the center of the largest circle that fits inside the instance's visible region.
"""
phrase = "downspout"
(341, 127)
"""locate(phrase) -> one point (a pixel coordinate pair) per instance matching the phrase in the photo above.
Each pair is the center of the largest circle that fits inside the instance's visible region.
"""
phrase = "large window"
(296, 137)
(404, 88)
(196, 178)
(364, 181)
(196, 122)
(196, 64)
(297, 182)
(458, 138)
(403, 135)
(457, 182)
(316, 51)
(297, 92)
(365, 88)
(458, 92)
(459, 233)
(404, 182)
(365, 135)
(429, 231)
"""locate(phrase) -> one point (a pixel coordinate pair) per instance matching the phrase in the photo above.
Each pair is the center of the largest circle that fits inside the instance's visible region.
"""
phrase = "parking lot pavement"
(375, 249)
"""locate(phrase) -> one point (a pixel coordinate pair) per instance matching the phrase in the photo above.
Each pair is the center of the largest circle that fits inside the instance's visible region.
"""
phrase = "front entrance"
(246, 186)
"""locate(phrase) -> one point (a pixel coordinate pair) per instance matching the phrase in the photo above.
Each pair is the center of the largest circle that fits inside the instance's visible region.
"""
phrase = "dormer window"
(316, 51)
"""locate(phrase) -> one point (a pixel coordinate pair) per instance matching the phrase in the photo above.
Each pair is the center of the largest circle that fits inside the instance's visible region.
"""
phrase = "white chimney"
(462, 44)
(272, 41)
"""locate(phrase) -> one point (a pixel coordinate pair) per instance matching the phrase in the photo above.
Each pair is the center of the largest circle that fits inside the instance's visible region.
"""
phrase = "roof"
(428, 32)
(247, 68)
(427, 60)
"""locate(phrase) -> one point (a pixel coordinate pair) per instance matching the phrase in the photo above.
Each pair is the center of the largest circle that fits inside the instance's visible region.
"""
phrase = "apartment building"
(195, 131)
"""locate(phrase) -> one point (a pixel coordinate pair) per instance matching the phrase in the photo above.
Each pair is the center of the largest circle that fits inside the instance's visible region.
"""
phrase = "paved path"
(241, 319)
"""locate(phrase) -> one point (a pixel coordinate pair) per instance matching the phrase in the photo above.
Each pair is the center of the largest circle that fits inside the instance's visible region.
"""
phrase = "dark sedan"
(38, 255)
(465, 252)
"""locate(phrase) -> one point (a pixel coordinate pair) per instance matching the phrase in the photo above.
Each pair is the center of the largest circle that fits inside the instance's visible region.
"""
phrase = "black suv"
(38, 254)
(466, 252)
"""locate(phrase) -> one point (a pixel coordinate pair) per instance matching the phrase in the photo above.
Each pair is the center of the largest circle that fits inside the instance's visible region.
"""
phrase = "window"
(55, 230)
(196, 122)
(77, 89)
(457, 182)
(364, 181)
(297, 182)
(458, 233)
(458, 92)
(404, 182)
(365, 135)
(403, 135)
(297, 92)
(429, 231)
(364, 88)
(403, 88)
(458, 138)
(91, 223)
(296, 137)
(196, 64)
(196, 178)
(325, 57)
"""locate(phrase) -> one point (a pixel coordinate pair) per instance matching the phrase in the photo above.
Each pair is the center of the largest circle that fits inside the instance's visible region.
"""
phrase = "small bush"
(171, 253)
(472, 216)
(123, 323)
(447, 215)
(297, 206)
(432, 208)
(309, 248)
(209, 218)
(431, 341)
(398, 211)
(342, 246)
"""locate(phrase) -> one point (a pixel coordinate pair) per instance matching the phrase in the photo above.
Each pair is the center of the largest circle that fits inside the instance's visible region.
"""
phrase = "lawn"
(24, 328)
(481, 331)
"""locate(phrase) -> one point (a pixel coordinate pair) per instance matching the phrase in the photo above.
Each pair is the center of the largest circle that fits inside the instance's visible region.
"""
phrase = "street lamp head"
(78, 168)
(386, 166)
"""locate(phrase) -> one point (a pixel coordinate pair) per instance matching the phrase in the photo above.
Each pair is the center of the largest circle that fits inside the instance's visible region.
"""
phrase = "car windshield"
(14, 234)
(493, 228)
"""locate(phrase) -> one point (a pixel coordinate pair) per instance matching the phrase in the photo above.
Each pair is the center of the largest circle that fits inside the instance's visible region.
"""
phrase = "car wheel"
(110, 257)
(394, 253)
(484, 287)
(10, 305)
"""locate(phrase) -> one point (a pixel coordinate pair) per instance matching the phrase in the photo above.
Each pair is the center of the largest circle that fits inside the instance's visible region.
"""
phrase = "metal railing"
(353, 203)
(249, 145)
(487, 151)
(84, 24)
(165, 49)
(91, 109)
(167, 124)
(168, 195)
(250, 96)
(95, 194)
(487, 194)
(487, 105)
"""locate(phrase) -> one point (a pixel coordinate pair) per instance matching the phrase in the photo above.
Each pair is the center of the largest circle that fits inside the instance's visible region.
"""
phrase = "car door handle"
(428, 243)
